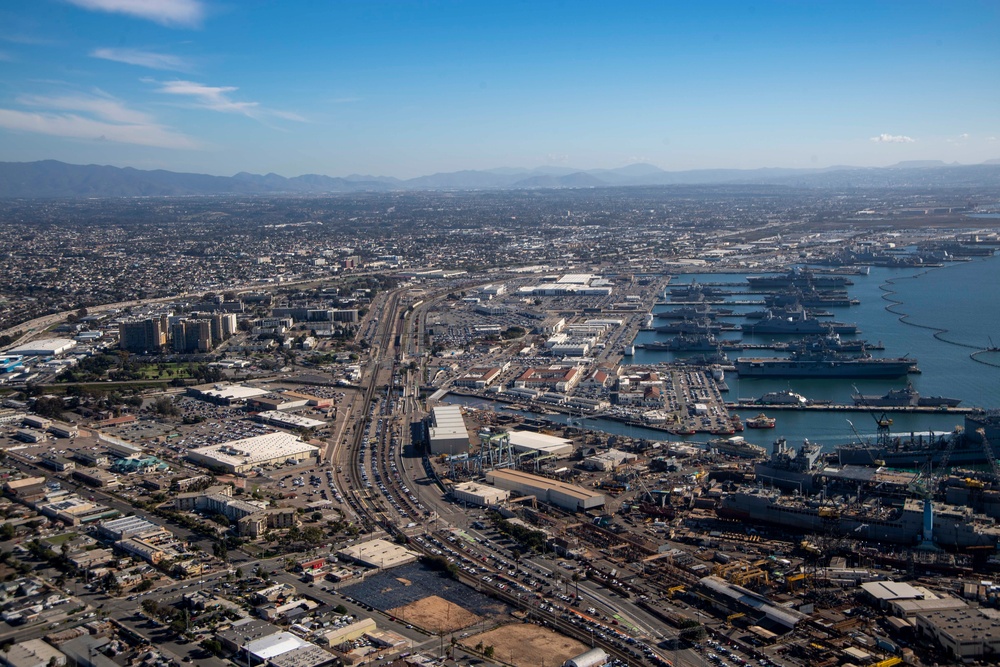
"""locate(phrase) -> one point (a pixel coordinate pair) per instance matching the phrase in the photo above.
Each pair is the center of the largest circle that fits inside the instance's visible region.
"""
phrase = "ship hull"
(903, 525)
(823, 369)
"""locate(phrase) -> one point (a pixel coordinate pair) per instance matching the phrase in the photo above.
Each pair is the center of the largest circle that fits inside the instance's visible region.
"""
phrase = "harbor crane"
(883, 435)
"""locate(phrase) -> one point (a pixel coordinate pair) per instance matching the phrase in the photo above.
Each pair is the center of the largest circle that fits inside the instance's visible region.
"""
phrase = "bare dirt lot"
(527, 645)
(435, 614)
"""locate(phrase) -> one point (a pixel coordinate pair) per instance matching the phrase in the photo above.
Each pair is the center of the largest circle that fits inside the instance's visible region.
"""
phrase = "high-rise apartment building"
(141, 336)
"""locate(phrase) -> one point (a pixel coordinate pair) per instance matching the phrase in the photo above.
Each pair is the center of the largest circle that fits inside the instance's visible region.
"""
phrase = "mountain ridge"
(55, 179)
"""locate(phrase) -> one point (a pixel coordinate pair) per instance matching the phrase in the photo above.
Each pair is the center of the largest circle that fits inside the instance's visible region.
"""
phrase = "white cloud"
(893, 139)
(100, 118)
(149, 59)
(105, 108)
(217, 98)
(963, 136)
(164, 12)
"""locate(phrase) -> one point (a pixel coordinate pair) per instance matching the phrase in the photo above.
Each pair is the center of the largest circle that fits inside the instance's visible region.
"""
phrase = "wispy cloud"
(26, 39)
(98, 118)
(189, 13)
(6, 57)
(217, 98)
(150, 59)
(893, 139)
(960, 139)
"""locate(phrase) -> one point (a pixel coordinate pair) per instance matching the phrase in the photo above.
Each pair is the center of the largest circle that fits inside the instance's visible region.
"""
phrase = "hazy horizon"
(401, 89)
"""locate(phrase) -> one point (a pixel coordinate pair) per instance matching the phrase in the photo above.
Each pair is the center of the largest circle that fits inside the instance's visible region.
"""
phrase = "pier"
(841, 407)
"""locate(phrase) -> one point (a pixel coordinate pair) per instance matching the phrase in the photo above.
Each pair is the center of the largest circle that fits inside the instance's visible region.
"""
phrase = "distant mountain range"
(50, 178)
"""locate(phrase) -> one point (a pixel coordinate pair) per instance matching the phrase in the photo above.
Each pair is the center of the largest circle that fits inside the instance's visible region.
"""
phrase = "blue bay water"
(962, 298)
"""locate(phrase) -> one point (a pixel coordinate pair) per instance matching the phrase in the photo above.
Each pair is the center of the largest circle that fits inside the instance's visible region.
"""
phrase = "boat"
(830, 341)
(696, 292)
(761, 421)
(873, 520)
(920, 449)
(800, 278)
(694, 312)
(906, 397)
(737, 446)
(686, 342)
(783, 397)
(696, 327)
(825, 364)
(737, 423)
(810, 298)
(795, 321)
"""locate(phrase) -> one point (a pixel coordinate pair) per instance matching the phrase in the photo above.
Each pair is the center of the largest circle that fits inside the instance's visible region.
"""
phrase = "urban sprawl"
(365, 429)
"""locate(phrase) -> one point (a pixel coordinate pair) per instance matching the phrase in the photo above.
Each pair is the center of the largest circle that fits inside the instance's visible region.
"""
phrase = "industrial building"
(729, 596)
(378, 554)
(277, 401)
(968, 633)
(226, 394)
(478, 378)
(609, 460)
(447, 433)
(561, 494)
(120, 529)
(32, 653)
(482, 495)
(49, 347)
(552, 379)
(285, 420)
(248, 453)
(540, 444)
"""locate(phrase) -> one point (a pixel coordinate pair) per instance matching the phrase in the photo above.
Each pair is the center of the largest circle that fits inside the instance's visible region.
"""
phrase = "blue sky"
(407, 88)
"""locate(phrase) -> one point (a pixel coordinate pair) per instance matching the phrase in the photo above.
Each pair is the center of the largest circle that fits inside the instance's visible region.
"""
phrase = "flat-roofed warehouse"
(378, 554)
(248, 453)
(48, 347)
(542, 444)
(226, 394)
(479, 494)
(286, 420)
(447, 433)
(561, 494)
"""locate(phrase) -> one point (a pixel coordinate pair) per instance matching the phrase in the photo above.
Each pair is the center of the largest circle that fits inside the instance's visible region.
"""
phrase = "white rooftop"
(575, 279)
(549, 444)
(45, 347)
(265, 447)
(235, 392)
(274, 645)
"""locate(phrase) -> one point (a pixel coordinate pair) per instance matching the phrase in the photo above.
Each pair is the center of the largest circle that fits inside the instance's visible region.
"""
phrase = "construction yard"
(528, 645)
(435, 615)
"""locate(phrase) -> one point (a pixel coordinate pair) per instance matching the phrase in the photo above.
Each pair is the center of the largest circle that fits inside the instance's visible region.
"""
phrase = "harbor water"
(945, 317)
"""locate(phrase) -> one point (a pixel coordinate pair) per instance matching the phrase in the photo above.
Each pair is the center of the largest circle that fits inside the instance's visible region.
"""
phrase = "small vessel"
(761, 421)
(783, 397)
(737, 423)
(737, 446)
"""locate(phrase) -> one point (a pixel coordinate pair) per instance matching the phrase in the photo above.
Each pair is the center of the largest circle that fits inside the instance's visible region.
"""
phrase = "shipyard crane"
(990, 456)
(882, 422)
